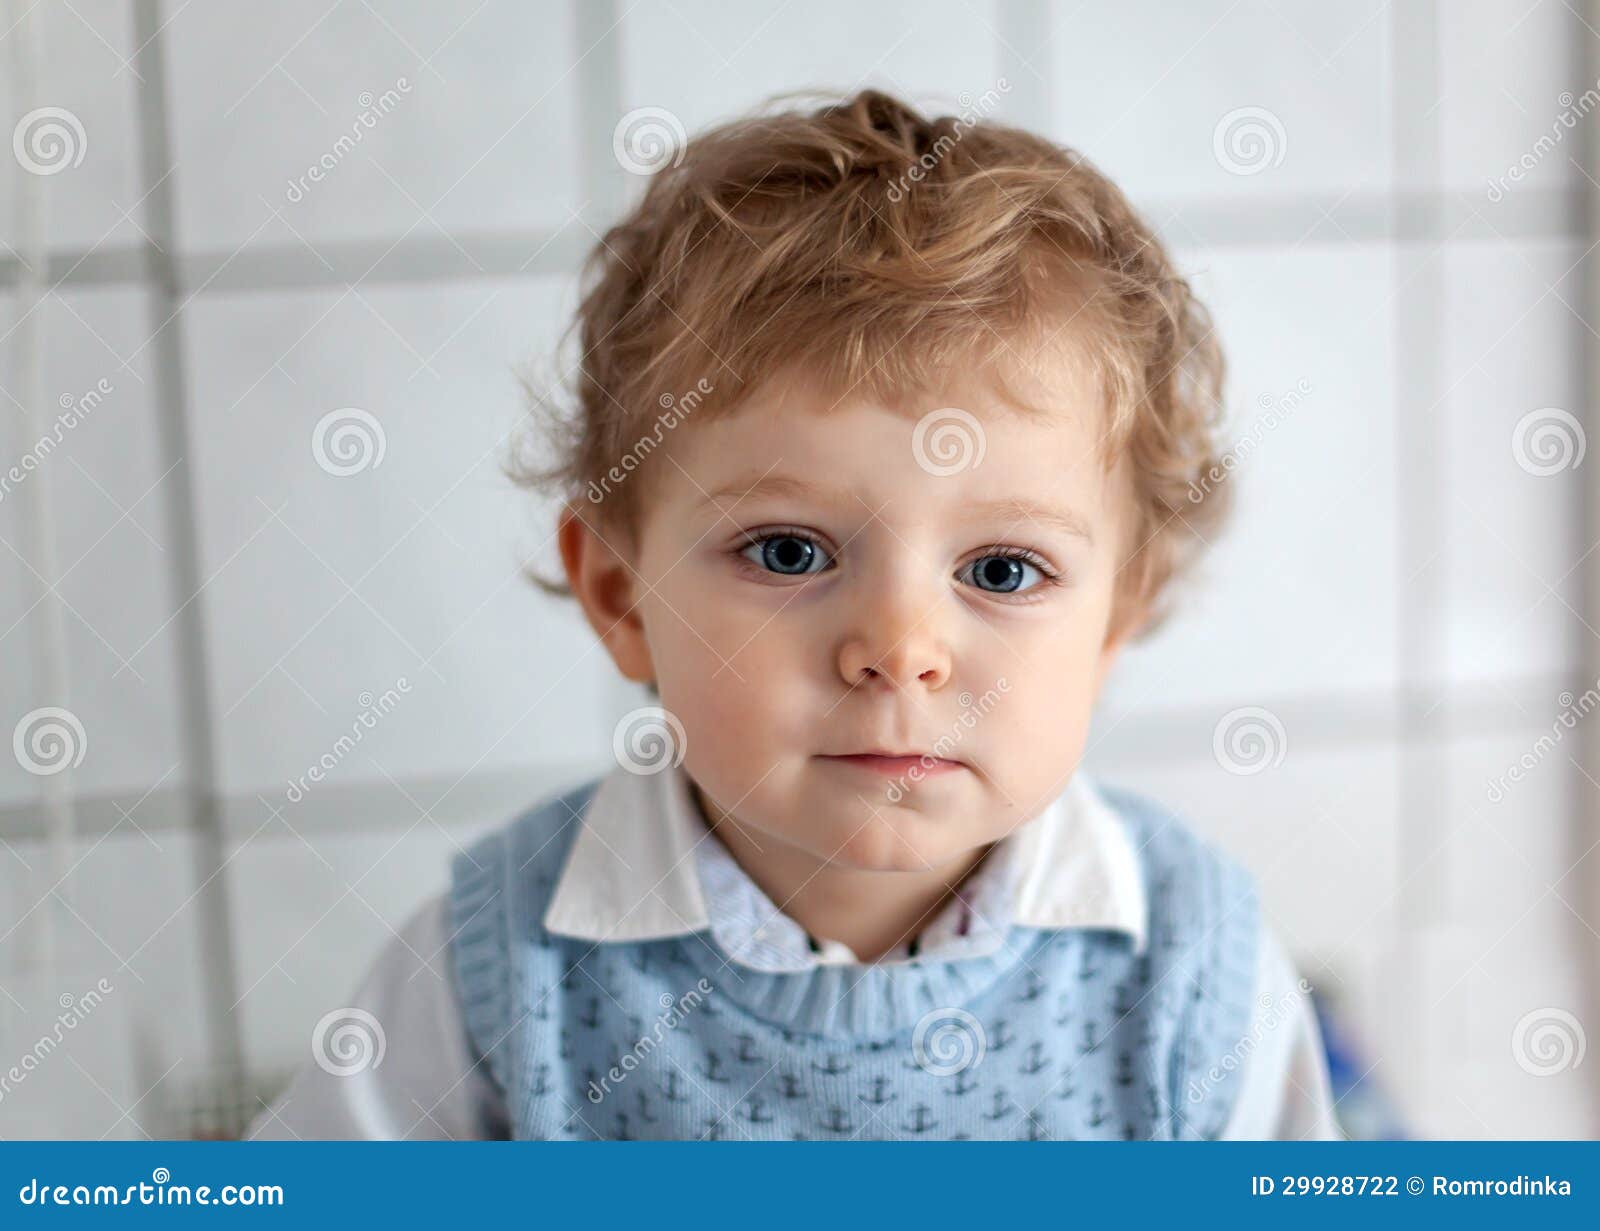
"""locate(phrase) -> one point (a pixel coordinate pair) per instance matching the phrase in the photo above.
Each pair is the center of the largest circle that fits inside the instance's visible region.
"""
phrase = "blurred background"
(267, 273)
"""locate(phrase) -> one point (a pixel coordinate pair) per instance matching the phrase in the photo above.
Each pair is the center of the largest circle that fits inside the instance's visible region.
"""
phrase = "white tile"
(713, 60)
(142, 944)
(478, 135)
(1436, 982)
(1297, 594)
(1296, 94)
(1500, 1026)
(1522, 1020)
(1512, 541)
(430, 536)
(313, 916)
(143, 940)
(75, 1032)
(1516, 842)
(1318, 832)
(1507, 943)
(1508, 73)
(100, 471)
(89, 156)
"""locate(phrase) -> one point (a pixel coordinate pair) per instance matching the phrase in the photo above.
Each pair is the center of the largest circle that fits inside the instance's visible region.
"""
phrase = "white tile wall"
(1315, 496)
(142, 944)
(1442, 918)
(1142, 90)
(313, 916)
(482, 137)
(1510, 331)
(429, 537)
(708, 60)
(1514, 946)
(111, 546)
(82, 68)
(1503, 70)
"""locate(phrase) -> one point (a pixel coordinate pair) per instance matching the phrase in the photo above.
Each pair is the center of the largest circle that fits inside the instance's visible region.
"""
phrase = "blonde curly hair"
(875, 250)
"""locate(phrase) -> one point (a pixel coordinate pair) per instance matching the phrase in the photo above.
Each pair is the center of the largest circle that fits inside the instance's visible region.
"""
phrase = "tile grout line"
(214, 924)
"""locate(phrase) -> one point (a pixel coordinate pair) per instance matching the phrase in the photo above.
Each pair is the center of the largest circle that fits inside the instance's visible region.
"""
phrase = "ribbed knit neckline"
(859, 1001)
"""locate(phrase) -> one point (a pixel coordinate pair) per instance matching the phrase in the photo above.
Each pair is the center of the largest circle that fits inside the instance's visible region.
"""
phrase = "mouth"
(897, 764)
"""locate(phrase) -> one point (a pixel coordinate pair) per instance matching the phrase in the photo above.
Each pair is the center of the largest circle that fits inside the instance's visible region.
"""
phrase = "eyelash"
(1049, 577)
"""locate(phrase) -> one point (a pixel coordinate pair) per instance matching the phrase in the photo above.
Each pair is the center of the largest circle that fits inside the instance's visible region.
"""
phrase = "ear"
(598, 570)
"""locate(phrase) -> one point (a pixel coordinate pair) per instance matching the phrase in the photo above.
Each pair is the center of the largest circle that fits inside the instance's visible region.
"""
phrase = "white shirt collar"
(644, 866)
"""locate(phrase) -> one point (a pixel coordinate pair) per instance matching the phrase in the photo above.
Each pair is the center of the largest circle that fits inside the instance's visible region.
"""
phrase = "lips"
(896, 765)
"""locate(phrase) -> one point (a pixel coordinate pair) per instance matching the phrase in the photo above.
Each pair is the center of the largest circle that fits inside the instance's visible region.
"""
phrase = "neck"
(874, 913)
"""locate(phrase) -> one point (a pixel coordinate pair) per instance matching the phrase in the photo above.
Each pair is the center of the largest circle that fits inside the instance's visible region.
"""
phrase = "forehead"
(967, 442)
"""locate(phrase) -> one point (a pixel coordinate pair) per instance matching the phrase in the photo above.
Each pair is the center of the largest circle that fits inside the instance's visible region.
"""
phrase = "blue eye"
(786, 554)
(1000, 574)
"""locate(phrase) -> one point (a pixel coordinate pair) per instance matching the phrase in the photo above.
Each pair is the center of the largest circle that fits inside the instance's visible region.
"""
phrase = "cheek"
(752, 636)
(733, 703)
(1041, 718)
(1045, 664)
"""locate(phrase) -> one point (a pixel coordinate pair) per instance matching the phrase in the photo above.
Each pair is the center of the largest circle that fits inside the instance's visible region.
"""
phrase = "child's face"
(857, 599)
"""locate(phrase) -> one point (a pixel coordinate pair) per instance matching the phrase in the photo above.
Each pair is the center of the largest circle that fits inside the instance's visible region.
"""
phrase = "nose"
(897, 640)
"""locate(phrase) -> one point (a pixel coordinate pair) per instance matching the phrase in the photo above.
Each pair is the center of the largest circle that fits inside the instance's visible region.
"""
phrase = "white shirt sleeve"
(428, 1085)
(1284, 1092)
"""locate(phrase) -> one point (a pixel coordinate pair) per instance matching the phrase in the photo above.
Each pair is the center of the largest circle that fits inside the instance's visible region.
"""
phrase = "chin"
(895, 841)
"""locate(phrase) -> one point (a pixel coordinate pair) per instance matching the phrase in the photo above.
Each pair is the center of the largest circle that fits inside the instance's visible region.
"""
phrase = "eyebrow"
(1012, 509)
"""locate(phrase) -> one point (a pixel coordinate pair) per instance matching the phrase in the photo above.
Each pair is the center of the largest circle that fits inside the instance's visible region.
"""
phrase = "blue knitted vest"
(1060, 1034)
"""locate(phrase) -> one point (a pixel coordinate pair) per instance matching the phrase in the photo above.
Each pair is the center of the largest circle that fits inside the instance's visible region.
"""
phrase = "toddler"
(888, 435)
